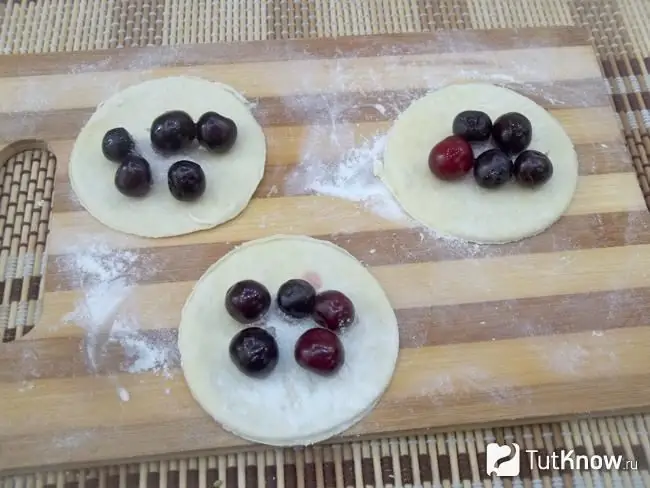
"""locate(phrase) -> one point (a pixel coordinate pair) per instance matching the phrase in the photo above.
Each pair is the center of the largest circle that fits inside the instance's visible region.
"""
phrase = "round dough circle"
(231, 178)
(463, 209)
(291, 406)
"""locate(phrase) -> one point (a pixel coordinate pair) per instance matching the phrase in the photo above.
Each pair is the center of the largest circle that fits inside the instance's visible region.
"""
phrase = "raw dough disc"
(462, 209)
(291, 406)
(231, 178)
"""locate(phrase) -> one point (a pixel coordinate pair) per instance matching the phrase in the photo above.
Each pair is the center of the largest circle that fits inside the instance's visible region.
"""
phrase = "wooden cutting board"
(553, 326)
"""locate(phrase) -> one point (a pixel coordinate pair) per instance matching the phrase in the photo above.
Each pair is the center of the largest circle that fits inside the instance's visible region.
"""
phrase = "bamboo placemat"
(620, 33)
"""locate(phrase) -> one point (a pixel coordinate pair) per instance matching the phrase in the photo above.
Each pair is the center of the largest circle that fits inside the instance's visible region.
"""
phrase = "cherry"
(247, 301)
(333, 310)
(492, 169)
(117, 144)
(254, 351)
(533, 168)
(451, 158)
(296, 298)
(172, 131)
(512, 132)
(319, 350)
(133, 177)
(472, 125)
(186, 180)
(216, 132)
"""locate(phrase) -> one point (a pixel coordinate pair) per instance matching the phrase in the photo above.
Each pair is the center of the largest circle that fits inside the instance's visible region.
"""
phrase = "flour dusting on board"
(567, 358)
(36, 94)
(69, 441)
(106, 278)
(154, 351)
(350, 178)
(457, 382)
(333, 161)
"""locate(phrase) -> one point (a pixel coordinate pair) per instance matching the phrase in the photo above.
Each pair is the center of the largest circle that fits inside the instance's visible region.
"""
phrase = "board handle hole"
(27, 169)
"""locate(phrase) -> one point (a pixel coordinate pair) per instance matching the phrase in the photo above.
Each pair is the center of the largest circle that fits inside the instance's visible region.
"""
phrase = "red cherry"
(333, 310)
(319, 350)
(451, 158)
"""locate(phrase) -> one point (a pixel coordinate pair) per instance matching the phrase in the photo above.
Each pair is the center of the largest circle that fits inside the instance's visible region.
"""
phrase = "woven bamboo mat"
(619, 31)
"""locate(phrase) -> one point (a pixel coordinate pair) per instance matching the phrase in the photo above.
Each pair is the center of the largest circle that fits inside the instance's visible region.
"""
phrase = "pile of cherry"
(511, 133)
(170, 133)
(255, 351)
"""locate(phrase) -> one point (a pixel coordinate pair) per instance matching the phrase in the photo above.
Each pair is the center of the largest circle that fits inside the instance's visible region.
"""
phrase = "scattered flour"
(106, 277)
(573, 359)
(351, 175)
(140, 61)
(72, 440)
(26, 386)
(567, 358)
(28, 366)
(124, 394)
(154, 351)
(350, 178)
(461, 381)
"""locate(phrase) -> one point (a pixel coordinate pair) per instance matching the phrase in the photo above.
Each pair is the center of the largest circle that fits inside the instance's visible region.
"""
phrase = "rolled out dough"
(462, 209)
(292, 406)
(231, 178)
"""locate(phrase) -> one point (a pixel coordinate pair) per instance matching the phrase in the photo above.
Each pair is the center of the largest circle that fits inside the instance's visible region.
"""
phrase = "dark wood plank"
(137, 59)
(400, 246)
(419, 327)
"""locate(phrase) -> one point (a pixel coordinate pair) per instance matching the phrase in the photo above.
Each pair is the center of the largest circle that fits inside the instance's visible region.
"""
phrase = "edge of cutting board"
(34, 64)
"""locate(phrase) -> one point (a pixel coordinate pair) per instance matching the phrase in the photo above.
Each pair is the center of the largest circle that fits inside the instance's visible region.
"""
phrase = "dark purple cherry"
(172, 131)
(186, 180)
(254, 351)
(472, 125)
(216, 132)
(117, 144)
(247, 301)
(533, 168)
(492, 169)
(512, 132)
(296, 298)
(133, 177)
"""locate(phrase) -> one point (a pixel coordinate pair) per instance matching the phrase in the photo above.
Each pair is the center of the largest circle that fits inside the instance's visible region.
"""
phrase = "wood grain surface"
(553, 326)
